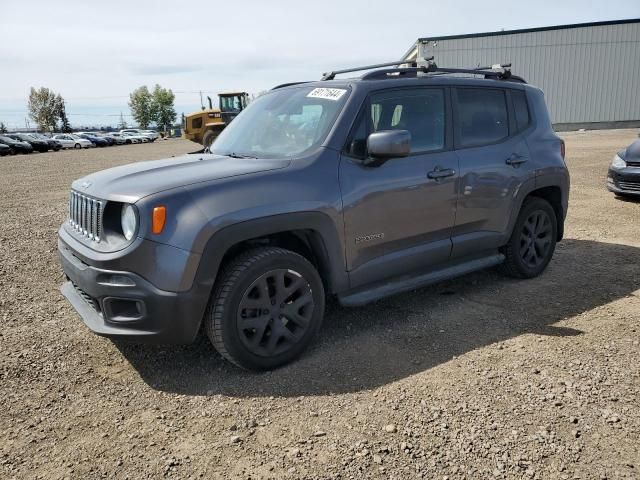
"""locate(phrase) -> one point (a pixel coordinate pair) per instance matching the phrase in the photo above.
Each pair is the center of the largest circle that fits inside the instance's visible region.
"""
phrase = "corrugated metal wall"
(588, 74)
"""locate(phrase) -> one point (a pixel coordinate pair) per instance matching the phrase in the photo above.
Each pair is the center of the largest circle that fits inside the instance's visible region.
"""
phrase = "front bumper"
(121, 304)
(625, 181)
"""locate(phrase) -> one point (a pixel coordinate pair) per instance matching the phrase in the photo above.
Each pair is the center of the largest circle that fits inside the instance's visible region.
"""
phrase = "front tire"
(532, 241)
(77, 146)
(266, 307)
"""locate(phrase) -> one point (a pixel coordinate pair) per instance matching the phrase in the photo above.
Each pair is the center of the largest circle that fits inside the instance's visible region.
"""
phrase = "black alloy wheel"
(274, 313)
(267, 305)
(535, 238)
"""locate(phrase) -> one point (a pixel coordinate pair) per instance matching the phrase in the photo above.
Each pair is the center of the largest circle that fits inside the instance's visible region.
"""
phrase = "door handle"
(516, 159)
(439, 173)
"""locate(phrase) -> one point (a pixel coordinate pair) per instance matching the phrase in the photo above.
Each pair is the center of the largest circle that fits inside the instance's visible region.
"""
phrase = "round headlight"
(129, 221)
(617, 162)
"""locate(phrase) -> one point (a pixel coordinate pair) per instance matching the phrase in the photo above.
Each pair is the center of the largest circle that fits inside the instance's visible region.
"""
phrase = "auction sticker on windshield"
(327, 93)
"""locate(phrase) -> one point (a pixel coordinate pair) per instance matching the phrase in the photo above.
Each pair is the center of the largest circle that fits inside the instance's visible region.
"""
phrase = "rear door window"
(481, 117)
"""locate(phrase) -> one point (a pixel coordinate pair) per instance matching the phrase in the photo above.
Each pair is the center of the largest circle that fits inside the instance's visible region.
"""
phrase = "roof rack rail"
(332, 75)
(501, 71)
(282, 85)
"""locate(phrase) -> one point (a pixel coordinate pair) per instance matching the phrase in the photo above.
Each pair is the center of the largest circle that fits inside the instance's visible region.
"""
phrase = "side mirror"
(387, 144)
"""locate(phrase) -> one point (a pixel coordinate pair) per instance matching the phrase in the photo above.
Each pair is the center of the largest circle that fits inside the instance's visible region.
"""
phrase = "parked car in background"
(101, 135)
(126, 138)
(150, 134)
(17, 146)
(153, 135)
(115, 140)
(96, 141)
(69, 140)
(140, 138)
(64, 140)
(53, 144)
(38, 145)
(110, 140)
(4, 150)
(624, 172)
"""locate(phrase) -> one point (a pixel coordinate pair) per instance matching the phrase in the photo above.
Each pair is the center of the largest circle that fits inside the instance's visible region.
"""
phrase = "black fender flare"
(558, 180)
(325, 241)
(524, 190)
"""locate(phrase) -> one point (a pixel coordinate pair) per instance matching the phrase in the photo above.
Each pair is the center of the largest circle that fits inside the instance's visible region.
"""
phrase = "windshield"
(283, 123)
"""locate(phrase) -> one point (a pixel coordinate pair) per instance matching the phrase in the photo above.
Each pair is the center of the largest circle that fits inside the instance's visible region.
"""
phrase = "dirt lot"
(476, 378)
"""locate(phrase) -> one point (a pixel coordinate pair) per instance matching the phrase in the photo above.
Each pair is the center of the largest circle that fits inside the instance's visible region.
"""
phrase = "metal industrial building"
(590, 72)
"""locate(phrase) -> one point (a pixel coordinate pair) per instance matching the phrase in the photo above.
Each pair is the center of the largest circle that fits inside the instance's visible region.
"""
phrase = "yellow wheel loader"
(205, 125)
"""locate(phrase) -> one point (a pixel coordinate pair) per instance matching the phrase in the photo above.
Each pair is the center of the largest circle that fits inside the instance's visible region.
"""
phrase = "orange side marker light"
(159, 218)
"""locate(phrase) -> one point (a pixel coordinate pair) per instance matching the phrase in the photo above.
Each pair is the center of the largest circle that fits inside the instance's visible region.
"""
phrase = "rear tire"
(77, 146)
(266, 307)
(532, 241)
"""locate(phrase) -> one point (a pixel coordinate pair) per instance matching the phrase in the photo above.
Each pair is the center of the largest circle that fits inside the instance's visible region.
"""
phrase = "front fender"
(327, 244)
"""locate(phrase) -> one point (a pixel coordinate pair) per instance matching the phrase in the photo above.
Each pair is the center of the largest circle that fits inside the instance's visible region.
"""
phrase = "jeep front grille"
(85, 215)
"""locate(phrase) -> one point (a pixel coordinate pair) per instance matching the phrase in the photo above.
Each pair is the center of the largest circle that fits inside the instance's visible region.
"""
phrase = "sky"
(94, 54)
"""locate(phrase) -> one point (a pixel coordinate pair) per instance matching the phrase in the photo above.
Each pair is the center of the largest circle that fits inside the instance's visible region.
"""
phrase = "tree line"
(47, 109)
(155, 106)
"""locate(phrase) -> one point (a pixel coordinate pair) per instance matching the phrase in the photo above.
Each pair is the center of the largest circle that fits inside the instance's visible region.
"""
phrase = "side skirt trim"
(377, 291)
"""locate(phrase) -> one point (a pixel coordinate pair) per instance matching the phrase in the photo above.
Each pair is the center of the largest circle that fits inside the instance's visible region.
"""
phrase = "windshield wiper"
(238, 155)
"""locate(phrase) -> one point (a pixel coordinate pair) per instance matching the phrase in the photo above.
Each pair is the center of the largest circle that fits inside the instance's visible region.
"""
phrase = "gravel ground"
(481, 377)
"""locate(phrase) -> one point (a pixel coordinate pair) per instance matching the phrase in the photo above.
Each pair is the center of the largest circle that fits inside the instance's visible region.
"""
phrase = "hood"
(130, 183)
(632, 153)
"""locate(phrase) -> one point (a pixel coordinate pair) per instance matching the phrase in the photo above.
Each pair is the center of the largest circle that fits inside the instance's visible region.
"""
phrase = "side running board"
(359, 297)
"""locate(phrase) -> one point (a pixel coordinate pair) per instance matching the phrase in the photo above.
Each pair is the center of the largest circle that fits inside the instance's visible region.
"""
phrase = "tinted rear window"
(481, 116)
(521, 109)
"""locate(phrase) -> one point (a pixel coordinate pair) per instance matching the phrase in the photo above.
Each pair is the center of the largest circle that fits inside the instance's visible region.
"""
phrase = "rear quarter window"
(521, 109)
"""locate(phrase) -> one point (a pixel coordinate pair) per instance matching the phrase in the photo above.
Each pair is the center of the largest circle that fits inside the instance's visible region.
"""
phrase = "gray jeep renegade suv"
(360, 188)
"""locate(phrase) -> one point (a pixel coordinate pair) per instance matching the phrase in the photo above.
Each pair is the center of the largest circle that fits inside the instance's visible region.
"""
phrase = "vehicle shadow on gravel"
(364, 348)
